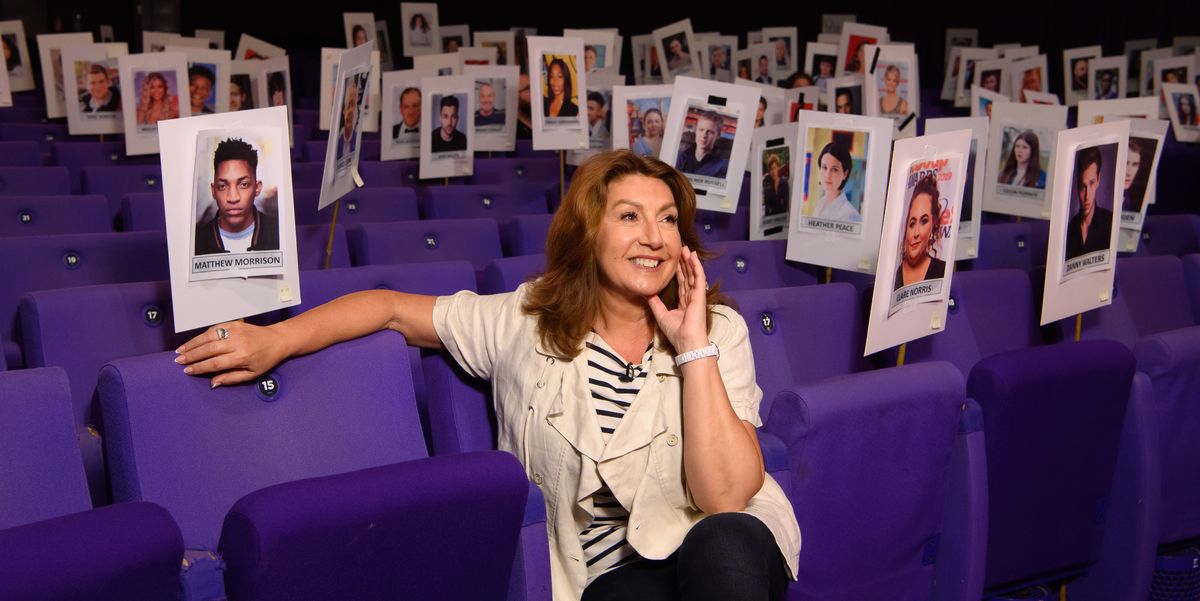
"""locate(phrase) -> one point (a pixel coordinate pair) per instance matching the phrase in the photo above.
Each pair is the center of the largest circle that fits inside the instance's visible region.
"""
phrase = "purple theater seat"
(524, 149)
(20, 154)
(34, 181)
(750, 264)
(77, 155)
(307, 175)
(505, 274)
(394, 174)
(540, 170)
(1006, 246)
(22, 114)
(310, 118)
(432, 522)
(1170, 235)
(44, 134)
(527, 234)
(312, 242)
(1039, 241)
(991, 311)
(52, 215)
(315, 149)
(40, 476)
(49, 262)
(713, 226)
(143, 211)
(360, 206)
(474, 240)
(802, 335)
(127, 551)
(1150, 297)
(870, 459)
(1054, 416)
(115, 181)
(501, 202)
(1191, 277)
(1171, 360)
(300, 134)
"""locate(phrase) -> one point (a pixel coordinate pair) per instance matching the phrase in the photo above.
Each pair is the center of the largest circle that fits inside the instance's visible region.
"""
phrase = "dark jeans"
(724, 556)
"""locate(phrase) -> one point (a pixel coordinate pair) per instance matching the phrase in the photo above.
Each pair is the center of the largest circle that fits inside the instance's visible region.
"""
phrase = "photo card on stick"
(957, 37)
(1106, 78)
(837, 203)
(719, 49)
(993, 75)
(966, 72)
(599, 49)
(208, 78)
(16, 49)
(676, 45)
(93, 88)
(383, 43)
(820, 61)
(892, 88)
(920, 234)
(359, 28)
(1020, 158)
(1032, 97)
(772, 103)
(984, 101)
(401, 129)
(155, 84)
(971, 211)
(833, 24)
(708, 138)
(1075, 72)
(421, 32)
(1146, 140)
(599, 105)
(1082, 253)
(502, 41)
(454, 37)
(783, 42)
(1133, 58)
(496, 89)
(844, 94)
(477, 56)
(1182, 101)
(275, 83)
(558, 85)
(950, 77)
(1148, 84)
(50, 47)
(852, 59)
(773, 159)
(447, 147)
(349, 111)
(639, 117)
(222, 174)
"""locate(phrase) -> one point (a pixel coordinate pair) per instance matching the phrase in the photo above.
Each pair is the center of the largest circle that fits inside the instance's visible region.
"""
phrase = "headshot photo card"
(844, 95)
(708, 138)
(1146, 140)
(502, 41)
(93, 86)
(1075, 72)
(153, 87)
(647, 69)
(383, 43)
(6, 98)
(852, 58)
(274, 84)
(971, 211)
(892, 87)
(16, 56)
(599, 49)
(783, 42)
(1020, 158)
(1182, 101)
(676, 46)
(50, 46)
(719, 49)
(950, 76)
(805, 98)
(349, 111)
(359, 29)
(1106, 78)
(454, 37)
(1090, 163)
(496, 89)
(401, 129)
(251, 48)
(772, 103)
(227, 194)
(421, 34)
(1174, 71)
(639, 117)
(959, 37)
(773, 162)
(599, 116)
(993, 75)
(836, 212)
(983, 101)
(966, 72)
(1028, 75)
(820, 61)
(1095, 112)
(1133, 58)
(758, 62)
(209, 74)
(558, 86)
(447, 149)
(1148, 83)
(920, 234)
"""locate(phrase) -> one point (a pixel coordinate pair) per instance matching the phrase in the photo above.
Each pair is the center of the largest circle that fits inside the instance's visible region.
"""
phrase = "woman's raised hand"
(686, 326)
(242, 354)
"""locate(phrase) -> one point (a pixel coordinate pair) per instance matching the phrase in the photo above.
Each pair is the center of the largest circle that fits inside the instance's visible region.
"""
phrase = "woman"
(1185, 110)
(359, 33)
(835, 166)
(418, 31)
(240, 96)
(276, 89)
(760, 117)
(558, 81)
(921, 231)
(623, 297)
(156, 102)
(891, 103)
(1136, 179)
(775, 189)
(650, 142)
(1023, 166)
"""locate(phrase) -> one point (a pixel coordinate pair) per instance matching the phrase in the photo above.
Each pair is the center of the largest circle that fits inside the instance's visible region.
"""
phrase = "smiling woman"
(624, 296)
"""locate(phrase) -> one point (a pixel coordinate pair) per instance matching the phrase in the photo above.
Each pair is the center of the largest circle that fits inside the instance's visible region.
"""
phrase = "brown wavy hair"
(565, 299)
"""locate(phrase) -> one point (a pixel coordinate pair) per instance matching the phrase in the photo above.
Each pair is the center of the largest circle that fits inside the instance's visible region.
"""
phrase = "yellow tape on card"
(1105, 295)
(285, 293)
(935, 322)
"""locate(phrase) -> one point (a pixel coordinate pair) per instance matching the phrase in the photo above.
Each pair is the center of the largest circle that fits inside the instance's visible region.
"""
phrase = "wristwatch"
(705, 351)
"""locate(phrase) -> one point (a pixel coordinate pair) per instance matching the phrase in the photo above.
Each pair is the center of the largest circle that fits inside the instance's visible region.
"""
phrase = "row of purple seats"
(54, 215)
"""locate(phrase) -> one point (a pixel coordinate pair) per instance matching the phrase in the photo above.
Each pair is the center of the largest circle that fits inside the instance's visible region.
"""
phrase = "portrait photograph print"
(852, 58)
(1029, 76)
(893, 88)
(1020, 160)
(1106, 78)
(966, 72)
(1149, 75)
(236, 204)
(916, 253)
(447, 147)
(94, 105)
(1090, 164)
(1075, 72)
(772, 150)
(783, 42)
(50, 47)
(599, 116)
(844, 95)
(820, 61)
(275, 83)
(359, 29)
(993, 75)
(1146, 140)
(557, 85)
(16, 56)
(330, 58)
(454, 37)
(676, 45)
(983, 102)
(208, 80)
(152, 95)
(639, 118)
(345, 136)
(401, 135)
(772, 103)
(496, 89)
(420, 23)
(971, 213)
(1182, 105)
(227, 197)
(599, 49)
(720, 49)
(502, 41)
(708, 138)
(836, 212)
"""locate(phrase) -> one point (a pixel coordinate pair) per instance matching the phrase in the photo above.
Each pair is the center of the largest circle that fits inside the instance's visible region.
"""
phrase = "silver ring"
(222, 334)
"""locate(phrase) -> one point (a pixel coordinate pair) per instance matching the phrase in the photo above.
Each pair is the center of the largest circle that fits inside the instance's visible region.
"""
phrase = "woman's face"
(1021, 151)
(1133, 162)
(277, 98)
(158, 89)
(360, 37)
(652, 122)
(235, 96)
(918, 232)
(774, 166)
(556, 80)
(1185, 104)
(832, 175)
(638, 242)
(419, 22)
(760, 115)
(891, 80)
